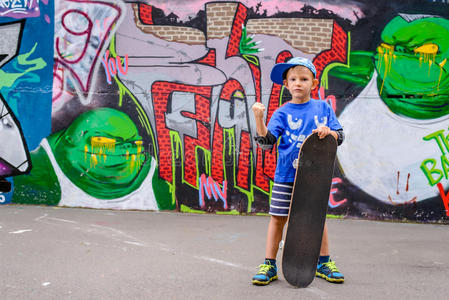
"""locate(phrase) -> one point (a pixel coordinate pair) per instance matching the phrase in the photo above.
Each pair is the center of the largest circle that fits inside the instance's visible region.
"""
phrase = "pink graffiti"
(329, 99)
(103, 29)
(112, 66)
(332, 202)
(71, 15)
(80, 42)
(212, 189)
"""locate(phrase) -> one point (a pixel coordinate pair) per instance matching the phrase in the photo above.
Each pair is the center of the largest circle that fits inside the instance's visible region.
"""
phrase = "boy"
(291, 124)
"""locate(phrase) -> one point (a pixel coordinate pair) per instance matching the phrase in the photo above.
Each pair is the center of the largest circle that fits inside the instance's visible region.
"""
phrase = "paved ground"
(59, 253)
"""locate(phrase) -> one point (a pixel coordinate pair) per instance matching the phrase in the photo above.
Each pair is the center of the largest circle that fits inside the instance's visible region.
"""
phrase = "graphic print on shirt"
(294, 125)
(318, 123)
(300, 139)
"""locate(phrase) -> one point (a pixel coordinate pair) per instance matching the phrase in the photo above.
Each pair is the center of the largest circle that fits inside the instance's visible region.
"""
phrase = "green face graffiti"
(411, 62)
(102, 153)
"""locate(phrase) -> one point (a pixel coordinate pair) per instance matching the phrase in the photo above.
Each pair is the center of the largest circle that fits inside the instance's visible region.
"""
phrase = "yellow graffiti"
(136, 159)
(386, 58)
(103, 143)
(86, 150)
(139, 145)
(100, 145)
(93, 160)
(441, 64)
(133, 162)
(427, 55)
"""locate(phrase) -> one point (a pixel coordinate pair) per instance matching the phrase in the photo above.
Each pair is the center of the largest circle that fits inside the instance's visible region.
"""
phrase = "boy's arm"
(340, 136)
(265, 138)
(334, 134)
(258, 111)
(323, 131)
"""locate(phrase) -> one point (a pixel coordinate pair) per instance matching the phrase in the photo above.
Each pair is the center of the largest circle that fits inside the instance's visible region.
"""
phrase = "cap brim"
(278, 70)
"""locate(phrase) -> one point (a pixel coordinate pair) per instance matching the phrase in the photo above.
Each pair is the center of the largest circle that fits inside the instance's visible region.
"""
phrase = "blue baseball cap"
(279, 69)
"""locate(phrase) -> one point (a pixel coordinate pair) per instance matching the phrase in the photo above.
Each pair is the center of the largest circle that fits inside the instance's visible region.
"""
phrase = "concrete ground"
(62, 253)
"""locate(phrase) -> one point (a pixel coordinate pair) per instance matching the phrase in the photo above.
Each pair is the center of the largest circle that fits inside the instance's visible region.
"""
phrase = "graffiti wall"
(147, 104)
(26, 60)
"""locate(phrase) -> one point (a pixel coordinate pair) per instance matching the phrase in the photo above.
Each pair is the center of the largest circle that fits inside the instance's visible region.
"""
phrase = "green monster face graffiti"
(412, 66)
(102, 153)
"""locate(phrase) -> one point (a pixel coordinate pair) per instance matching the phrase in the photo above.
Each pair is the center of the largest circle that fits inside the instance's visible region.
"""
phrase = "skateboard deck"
(308, 209)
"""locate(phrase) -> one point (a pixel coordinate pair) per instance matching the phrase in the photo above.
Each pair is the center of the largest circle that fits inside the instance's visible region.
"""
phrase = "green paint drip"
(207, 162)
(325, 75)
(231, 212)
(263, 214)
(123, 90)
(175, 142)
(334, 216)
(186, 209)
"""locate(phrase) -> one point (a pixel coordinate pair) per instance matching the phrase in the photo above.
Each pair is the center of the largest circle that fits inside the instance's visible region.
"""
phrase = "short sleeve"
(333, 123)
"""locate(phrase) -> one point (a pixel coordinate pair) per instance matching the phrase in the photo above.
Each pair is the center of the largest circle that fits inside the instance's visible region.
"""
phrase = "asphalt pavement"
(67, 253)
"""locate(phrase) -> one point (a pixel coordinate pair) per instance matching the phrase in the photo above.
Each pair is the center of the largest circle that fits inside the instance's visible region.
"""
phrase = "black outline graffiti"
(5, 186)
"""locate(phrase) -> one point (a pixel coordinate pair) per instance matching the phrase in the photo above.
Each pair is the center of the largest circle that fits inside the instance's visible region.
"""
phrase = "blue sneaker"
(330, 272)
(267, 273)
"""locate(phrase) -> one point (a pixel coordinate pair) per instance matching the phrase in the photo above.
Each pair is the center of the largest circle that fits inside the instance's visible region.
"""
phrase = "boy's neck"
(300, 100)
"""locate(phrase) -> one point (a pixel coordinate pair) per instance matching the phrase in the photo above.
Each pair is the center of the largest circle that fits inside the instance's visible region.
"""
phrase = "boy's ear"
(285, 82)
(315, 83)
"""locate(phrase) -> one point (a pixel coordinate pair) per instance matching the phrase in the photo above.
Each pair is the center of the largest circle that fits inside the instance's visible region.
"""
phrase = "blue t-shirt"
(293, 123)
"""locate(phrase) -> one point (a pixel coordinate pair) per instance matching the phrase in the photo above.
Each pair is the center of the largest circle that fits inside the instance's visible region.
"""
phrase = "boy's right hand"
(258, 110)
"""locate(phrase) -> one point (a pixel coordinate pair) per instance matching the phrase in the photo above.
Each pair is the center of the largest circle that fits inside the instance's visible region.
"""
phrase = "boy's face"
(300, 82)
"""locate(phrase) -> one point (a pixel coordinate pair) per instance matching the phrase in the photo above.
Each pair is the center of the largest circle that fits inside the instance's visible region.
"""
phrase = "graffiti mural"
(197, 90)
(14, 158)
(151, 103)
(82, 32)
(23, 75)
(403, 105)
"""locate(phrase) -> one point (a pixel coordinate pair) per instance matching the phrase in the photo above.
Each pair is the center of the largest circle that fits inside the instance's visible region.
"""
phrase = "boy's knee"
(279, 219)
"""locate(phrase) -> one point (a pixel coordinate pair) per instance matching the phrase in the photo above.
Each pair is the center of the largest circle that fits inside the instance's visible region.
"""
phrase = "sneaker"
(330, 272)
(267, 273)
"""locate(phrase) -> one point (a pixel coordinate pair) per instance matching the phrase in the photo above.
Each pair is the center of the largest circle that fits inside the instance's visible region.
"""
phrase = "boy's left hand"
(322, 131)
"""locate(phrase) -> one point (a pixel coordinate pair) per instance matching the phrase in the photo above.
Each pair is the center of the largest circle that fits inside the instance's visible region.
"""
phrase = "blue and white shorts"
(281, 195)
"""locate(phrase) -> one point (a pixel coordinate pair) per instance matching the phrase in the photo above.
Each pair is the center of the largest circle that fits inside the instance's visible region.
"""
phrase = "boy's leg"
(326, 267)
(324, 251)
(274, 236)
(268, 270)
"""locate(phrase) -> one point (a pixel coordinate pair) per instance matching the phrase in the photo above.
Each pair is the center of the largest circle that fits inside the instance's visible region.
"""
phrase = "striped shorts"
(281, 195)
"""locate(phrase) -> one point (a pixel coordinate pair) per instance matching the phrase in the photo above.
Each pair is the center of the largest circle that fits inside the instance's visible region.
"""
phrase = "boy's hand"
(322, 131)
(258, 110)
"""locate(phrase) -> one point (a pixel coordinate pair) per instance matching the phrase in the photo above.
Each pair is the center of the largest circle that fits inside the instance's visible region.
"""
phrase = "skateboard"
(308, 209)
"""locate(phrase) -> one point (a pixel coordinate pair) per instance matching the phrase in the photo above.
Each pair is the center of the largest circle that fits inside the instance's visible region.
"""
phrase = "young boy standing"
(291, 124)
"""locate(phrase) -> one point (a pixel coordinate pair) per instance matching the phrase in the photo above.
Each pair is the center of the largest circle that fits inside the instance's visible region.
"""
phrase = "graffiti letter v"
(444, 197)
